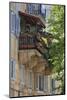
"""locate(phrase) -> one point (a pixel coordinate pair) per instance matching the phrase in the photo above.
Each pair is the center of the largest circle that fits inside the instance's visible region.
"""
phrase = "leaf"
(56, 52)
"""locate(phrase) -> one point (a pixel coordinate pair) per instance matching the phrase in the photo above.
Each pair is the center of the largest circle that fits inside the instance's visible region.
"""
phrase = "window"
(30, 79)
(41, 82)
(17, 25)
(43, 10)
(13, 22)
(33, 8)
(30, 8)
(52, 86)
(13, 69)
(46, 83)
(36, 82)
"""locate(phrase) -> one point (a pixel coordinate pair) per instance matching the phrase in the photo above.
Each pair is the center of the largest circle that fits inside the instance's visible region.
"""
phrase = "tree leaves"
(56, 27)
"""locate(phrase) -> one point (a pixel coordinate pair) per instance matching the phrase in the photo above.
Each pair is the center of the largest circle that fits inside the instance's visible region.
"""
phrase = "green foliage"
(56, 27)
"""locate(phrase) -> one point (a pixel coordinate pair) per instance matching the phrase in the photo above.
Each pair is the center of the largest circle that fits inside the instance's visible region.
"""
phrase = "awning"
(32, 19)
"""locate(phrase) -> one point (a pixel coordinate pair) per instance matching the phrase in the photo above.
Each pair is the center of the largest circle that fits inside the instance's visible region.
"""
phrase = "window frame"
(41, 83)
(15, 29)
(30, 78)
(17, 24)
(37, 88)
(53, 86)
(12, 13)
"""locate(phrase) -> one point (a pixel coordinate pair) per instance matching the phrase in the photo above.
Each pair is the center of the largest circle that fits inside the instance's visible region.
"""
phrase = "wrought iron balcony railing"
(26, 42)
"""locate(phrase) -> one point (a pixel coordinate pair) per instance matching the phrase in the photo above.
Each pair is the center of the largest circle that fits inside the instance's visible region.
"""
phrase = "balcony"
(29, 41)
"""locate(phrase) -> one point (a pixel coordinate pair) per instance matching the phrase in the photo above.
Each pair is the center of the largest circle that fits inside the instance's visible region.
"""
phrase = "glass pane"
(12, 22)
(36, 81)
(17, 25)
(45, 83)
(30, 79)
(41, 83)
